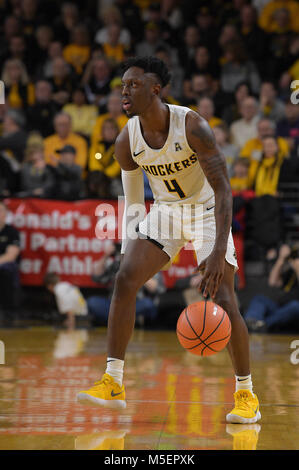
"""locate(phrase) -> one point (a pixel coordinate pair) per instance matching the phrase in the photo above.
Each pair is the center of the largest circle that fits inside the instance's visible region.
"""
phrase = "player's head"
(143, 79)
(50, 280)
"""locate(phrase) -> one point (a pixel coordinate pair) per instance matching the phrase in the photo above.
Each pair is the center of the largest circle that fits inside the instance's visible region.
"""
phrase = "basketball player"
(177, 150)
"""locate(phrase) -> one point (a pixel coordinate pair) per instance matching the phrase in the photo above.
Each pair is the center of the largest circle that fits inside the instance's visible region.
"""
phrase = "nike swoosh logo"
(115, 394)
(135, 154)
(209, 208)
(241, 380)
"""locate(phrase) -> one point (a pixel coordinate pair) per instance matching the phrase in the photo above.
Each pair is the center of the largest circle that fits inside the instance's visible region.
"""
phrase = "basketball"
(203, 328)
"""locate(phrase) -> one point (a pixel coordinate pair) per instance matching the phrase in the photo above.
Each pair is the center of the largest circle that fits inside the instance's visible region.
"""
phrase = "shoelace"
(104, 380)
(241, 401)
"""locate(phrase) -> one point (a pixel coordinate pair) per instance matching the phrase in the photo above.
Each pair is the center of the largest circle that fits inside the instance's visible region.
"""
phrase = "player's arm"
(133, 185)
(202, 140)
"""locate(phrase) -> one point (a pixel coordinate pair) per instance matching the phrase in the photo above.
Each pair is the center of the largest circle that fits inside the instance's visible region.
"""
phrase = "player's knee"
(126, 281)
(226, 299)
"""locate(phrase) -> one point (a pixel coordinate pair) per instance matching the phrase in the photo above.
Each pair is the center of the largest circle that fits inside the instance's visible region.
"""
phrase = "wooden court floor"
(175, 400)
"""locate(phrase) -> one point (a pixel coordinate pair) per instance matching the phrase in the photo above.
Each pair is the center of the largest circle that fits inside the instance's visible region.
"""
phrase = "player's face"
(137, 91)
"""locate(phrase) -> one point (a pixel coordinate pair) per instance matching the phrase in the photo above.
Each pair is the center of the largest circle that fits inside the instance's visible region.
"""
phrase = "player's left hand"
(212, 269)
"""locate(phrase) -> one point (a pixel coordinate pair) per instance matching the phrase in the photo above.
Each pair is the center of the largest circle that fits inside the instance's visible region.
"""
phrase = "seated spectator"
(266, 314)
(70, 302)
(43, 38)
(171, 60)
(171, 13)
(13, 139)
(253, 147)
(68, 175)
(237, 68)
(239, 180)
(114, 111)
(264, 174)
(206, 108)
(245, 128)
(201, 64)
(9, 267)
(113, 49)
(40, 116)
(102, 155)
(110, 16)
(288, 127)
(36, 177)
(232, 112)
(270, 106)
(77, 53)
(18, 50)
(199, 88)
(151, 41)
(206, 20)
(55, 50)
(67, 20)
(228, 150)
(254, 38)
(61, 81)
(104, 273)
(19, 91)
(11, 27)
(279, 13)
(83, 115)
(64, 136)
(96, 80)
(186, 51)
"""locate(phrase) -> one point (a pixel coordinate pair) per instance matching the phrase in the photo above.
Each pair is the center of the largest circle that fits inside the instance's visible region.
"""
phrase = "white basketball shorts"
(173, 227)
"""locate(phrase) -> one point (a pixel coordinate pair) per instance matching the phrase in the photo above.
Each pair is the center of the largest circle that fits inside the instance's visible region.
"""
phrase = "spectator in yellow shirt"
(240, 175)
(264, 175)
(206, 108)
(114, 111)
(279, 16)
(103, 159)
(83, 115)
(64, 136)
(113, 48)
(19, 91)
(253, 147)
(77, 53)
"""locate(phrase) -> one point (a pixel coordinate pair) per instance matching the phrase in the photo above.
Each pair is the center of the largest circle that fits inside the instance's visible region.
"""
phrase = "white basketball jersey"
(174, 172)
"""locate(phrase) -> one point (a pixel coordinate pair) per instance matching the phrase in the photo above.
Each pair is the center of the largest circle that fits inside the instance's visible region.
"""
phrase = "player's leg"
(142, 260)
(238, 345)
(246, 408)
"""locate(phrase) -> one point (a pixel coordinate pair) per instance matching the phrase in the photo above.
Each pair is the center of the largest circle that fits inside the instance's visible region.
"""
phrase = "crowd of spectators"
(234, 62)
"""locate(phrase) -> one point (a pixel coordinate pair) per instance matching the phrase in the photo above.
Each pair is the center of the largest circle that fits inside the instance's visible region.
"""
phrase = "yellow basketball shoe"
(106, 392)
(246, 410)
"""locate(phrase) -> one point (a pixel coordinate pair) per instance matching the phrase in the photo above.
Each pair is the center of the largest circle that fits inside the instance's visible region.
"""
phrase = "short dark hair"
(50, 279)
(150, 64)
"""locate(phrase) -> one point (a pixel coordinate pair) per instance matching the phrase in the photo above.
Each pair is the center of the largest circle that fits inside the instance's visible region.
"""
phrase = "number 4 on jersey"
(175, 188)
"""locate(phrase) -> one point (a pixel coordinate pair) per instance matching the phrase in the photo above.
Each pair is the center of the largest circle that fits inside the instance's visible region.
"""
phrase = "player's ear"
(157, 89)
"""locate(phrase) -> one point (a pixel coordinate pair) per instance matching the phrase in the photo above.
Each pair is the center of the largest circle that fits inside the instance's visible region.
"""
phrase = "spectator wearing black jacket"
(9, 268)
(68, 175)
(36, 177)
(40, 116)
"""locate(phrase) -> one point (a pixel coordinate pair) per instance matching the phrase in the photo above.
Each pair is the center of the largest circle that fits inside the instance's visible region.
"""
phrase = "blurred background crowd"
(235, 62)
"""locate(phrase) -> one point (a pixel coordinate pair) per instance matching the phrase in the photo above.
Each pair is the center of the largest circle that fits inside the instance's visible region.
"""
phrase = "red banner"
(63, 237)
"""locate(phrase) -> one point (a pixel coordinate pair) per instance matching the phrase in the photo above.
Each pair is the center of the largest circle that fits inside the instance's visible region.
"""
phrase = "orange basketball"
(203, 328)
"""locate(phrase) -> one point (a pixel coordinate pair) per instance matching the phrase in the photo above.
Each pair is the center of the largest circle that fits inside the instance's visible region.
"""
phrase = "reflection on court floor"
(174, 400)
